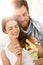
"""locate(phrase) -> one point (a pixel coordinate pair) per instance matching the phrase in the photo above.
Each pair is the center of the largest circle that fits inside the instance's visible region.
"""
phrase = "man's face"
(22, 15)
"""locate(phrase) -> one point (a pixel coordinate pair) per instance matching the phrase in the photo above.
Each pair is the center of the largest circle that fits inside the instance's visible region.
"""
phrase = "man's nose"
(22, 18)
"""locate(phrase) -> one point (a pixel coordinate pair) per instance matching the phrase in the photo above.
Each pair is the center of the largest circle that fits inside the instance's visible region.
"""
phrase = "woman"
(14, 54)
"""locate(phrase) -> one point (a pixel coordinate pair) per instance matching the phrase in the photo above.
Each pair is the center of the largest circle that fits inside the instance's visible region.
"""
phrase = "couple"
(28, 27)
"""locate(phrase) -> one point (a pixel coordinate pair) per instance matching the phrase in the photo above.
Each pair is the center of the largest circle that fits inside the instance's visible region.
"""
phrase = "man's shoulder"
(36, 24)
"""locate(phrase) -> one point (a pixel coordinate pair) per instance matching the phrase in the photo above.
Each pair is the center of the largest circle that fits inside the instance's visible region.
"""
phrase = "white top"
(26, 58)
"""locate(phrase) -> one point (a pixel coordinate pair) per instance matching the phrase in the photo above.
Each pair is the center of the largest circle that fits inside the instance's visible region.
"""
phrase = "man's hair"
(20, 3)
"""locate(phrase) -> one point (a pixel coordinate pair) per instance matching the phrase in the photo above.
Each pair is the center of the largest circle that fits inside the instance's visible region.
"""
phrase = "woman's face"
(12, 29)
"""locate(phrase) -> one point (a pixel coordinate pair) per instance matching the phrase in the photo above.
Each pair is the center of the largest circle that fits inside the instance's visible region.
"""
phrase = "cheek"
(11, 36)
(27, 16)
(9, 33)
(18, 30)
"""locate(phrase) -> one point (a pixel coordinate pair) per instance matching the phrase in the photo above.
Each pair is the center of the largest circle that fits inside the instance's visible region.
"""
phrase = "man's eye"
(17, 16)
(24, 14)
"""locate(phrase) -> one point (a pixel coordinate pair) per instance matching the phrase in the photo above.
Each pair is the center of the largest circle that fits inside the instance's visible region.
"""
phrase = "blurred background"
(6, 9)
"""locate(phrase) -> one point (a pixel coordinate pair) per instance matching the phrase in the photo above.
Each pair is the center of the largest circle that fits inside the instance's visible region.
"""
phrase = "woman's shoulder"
(1, 63)
(3, 51)
(4, 58)
(3, 54)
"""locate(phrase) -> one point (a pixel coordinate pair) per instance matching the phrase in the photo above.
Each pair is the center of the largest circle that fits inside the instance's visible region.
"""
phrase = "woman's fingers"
(18, 52)
(17, 49)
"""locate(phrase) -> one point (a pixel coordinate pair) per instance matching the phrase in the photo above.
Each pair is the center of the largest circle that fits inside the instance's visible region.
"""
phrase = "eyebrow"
(9, 27)
(14, 25)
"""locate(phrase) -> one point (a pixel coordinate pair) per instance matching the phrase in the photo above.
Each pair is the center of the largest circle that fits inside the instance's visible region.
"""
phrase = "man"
(28, 26)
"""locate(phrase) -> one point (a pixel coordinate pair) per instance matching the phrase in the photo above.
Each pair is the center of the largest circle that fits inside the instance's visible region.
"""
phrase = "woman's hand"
(18, 53)
(17, 50)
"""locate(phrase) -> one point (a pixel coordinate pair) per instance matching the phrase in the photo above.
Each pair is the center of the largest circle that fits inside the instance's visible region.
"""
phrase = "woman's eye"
(16, 26)
(10, 28)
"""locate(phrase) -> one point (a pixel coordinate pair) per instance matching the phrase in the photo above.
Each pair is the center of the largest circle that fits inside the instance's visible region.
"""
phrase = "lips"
(15, 33)
(23, 22)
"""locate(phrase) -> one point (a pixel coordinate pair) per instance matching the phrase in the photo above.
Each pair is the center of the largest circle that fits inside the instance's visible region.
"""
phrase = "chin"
(16, 36)
(25, 24)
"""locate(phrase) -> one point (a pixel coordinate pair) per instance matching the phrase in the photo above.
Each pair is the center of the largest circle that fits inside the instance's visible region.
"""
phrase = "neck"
(14, 41)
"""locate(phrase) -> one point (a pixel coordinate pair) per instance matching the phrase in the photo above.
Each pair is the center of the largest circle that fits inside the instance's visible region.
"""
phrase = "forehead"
(11, 23)
(20, 10)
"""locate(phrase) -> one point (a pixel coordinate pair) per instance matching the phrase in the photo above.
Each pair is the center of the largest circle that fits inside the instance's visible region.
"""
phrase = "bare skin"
(12, 29)
(5, 60)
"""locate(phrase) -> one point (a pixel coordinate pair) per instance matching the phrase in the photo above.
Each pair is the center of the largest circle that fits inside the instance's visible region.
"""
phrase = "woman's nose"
(15, 29)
